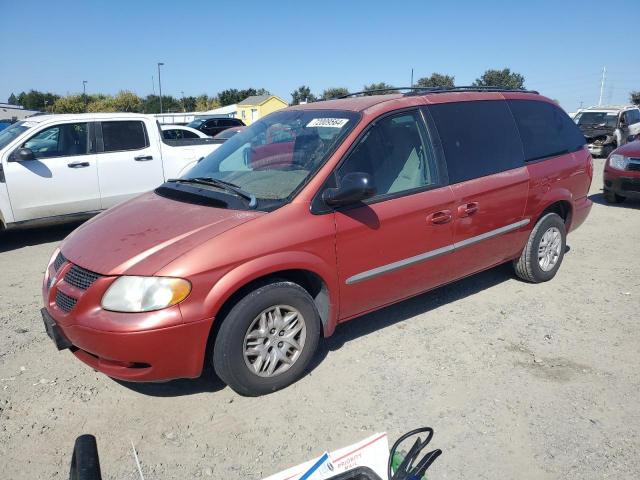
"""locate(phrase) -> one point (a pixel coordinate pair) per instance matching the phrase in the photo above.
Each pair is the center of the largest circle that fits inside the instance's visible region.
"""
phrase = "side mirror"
(354, 187)
(21, 155)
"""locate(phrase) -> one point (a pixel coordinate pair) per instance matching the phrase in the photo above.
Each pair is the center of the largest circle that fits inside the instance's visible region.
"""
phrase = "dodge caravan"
(312, 216)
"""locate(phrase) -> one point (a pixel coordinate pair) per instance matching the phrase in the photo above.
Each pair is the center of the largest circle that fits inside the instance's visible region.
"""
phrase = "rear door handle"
(438, 218)
(143, 158)
(467, 209)
(78, 164)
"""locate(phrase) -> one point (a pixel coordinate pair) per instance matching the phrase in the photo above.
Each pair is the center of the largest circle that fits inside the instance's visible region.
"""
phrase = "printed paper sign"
(372, 452)
(328, 122)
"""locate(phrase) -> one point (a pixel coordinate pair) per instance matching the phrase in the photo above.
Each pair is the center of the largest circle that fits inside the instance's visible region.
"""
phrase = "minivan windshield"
(594, 119)
(10, 133)
(277, 154)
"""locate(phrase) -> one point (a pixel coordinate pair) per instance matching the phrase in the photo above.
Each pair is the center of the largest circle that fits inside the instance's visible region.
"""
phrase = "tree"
(382, 86)
(204, 103)
(13, 100)
(124, 101)
(504, 78)
(436, 80)
(69, 104)
(302, 95)
(151, 104)
(35, 100)
(334, 92)
(189, 103)
(233, 95)
(635, 97)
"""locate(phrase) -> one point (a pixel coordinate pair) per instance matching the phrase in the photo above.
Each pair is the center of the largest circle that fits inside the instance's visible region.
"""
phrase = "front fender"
(262, 266)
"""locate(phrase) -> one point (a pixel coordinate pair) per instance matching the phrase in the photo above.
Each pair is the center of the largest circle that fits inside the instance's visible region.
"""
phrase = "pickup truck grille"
(65, 302)
(59, 261)
(80, 277)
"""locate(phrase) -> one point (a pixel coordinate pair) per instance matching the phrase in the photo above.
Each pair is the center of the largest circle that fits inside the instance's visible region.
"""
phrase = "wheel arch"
(559, 202)
(303, 268)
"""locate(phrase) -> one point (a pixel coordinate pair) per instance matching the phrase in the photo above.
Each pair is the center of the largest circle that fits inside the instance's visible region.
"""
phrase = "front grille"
(59, 261)
(634, 165)
(65, 302)
(80, 278)
(630, 186)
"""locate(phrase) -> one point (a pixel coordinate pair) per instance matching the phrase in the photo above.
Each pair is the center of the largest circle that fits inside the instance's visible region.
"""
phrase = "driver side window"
(60, 141)
(397, 155)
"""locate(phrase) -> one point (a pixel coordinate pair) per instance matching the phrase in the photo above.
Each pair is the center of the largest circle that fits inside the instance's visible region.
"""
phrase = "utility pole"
(84, 94)
(412, 78)
(604, 74)
(160, 84)
(183, 108)
(153, 84)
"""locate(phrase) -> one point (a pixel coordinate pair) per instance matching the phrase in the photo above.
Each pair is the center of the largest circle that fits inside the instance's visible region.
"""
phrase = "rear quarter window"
(479, 138)
(124, 135)
(545, 129)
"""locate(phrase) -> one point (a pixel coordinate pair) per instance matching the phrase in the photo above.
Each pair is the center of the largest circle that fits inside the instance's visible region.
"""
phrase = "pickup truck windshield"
(10, 133)
(606, 119)
(275, 155)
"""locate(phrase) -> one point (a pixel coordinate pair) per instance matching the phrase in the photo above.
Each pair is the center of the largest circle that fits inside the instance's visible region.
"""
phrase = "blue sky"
(559, 46)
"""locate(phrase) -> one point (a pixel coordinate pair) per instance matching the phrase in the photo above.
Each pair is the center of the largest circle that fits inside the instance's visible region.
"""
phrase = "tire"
(611, 197)
(246, 374)
(529, 266)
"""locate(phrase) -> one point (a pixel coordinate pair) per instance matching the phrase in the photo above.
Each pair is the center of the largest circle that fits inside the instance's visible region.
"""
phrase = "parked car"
(214, 125)
(310, 217)
(228, 133)
(4, 125)
(180, 132)
(607, 128)
(55, 168)
(622, 173)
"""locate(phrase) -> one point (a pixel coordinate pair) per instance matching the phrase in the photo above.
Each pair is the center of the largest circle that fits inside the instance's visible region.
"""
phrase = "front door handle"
(78, 164)
(467, 209)
(143, 158)
(438, 218)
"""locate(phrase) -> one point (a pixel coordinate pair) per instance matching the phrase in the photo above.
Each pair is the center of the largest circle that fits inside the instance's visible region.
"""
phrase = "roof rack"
(412, 91)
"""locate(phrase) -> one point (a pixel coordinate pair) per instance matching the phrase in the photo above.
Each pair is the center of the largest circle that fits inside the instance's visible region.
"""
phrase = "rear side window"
(545, 129)
(478, 138)
(124, 135)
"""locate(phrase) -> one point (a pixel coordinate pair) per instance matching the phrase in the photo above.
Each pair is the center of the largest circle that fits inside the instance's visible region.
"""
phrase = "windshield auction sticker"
(328, 122)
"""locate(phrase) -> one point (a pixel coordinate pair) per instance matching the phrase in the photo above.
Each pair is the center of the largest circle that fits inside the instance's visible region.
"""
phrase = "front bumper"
(628, 187)
(151, 346)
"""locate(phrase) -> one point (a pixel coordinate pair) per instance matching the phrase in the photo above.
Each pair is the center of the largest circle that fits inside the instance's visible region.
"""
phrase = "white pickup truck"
(56, 168)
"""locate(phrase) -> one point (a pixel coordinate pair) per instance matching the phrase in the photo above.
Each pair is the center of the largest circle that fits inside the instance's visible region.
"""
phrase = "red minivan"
(310, 217)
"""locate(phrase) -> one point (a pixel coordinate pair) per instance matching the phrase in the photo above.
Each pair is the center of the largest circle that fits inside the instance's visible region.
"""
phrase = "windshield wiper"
(215, 182)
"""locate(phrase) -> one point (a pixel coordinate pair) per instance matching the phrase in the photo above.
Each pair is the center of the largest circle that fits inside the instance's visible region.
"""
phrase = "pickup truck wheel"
(267, 339)
(611, 197)
(543, 254)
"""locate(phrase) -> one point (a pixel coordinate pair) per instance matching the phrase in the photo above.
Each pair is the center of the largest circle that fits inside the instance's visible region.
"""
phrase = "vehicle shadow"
(628, 202)
(207, 383)
(406, 309)
(15, 239)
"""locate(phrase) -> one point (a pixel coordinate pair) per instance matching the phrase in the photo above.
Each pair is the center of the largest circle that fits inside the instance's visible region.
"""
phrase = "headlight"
(144, 294)
(619, 162)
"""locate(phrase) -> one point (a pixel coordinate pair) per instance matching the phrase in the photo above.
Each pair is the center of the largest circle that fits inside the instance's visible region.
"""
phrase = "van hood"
(141, 236)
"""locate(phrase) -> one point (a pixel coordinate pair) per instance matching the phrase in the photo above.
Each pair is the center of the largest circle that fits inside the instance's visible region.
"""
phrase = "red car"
(312, 216)
(622, 173)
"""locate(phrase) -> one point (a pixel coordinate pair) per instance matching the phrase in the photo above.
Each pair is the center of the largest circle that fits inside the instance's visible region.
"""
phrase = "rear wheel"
(611, 197)
(267, 339)
(543, 254)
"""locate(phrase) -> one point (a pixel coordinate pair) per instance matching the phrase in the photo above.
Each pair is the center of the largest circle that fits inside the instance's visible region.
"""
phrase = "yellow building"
(257, 106)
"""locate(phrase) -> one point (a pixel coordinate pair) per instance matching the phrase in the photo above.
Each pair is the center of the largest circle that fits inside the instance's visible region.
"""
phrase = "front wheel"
(611, 197)
(267, 340)
(543, 254)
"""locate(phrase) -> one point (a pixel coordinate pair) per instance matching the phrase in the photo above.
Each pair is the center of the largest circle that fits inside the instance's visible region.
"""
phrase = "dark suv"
(213, 125)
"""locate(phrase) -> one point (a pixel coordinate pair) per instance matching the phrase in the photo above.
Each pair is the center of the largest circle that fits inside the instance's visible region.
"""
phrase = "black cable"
(406, 470)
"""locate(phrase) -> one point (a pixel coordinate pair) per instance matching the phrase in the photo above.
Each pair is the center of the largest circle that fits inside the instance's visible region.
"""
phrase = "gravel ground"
(518, 380)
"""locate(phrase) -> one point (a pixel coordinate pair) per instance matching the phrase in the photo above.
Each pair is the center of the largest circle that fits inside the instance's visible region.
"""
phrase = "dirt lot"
(518, 380)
